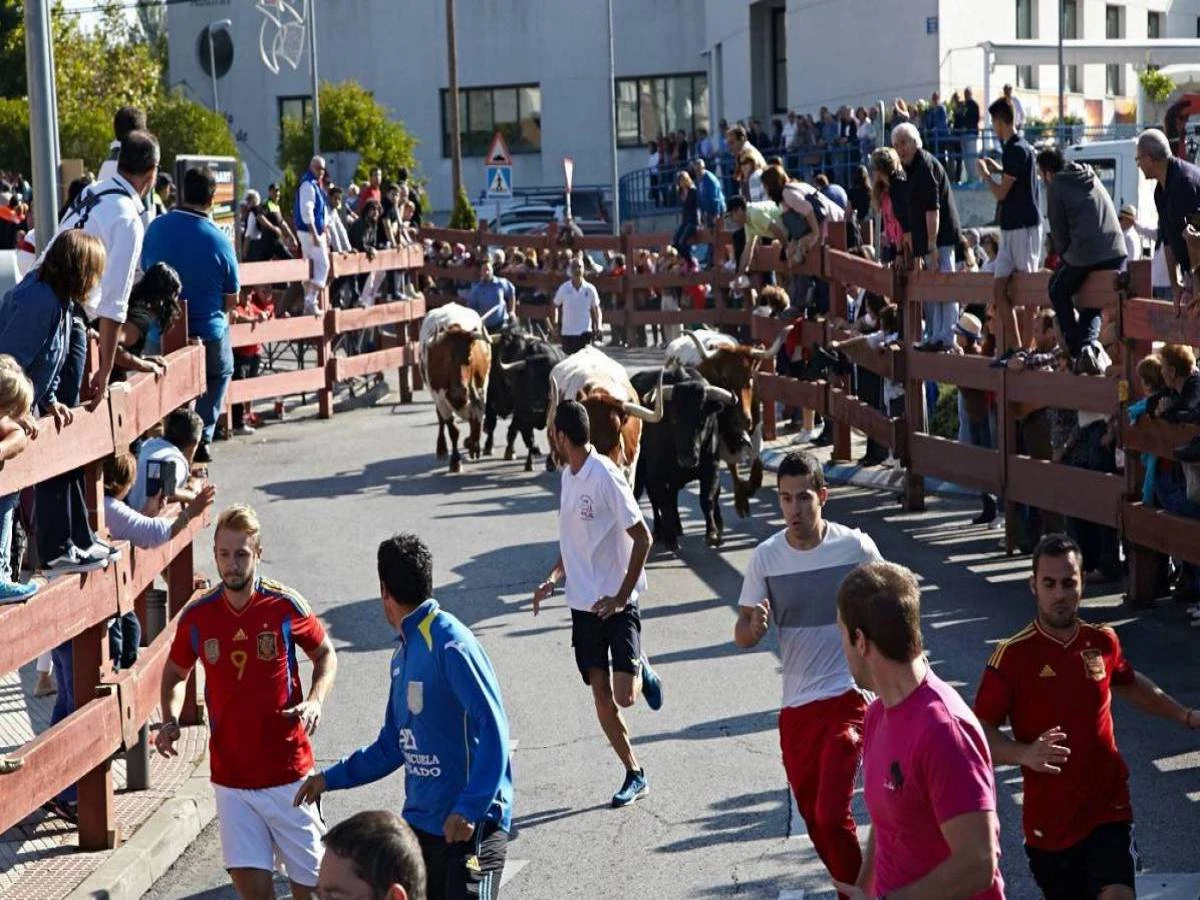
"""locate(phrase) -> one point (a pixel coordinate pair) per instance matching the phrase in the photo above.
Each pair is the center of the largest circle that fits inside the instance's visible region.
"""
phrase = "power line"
(122, 7)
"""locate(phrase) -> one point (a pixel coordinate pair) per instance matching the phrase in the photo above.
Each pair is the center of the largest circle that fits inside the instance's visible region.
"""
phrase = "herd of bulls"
(664, 427)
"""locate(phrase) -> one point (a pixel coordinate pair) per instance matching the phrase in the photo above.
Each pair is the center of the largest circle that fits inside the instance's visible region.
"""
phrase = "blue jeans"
(218, 367)
(940, 318)
(8, 507)
(64, 700)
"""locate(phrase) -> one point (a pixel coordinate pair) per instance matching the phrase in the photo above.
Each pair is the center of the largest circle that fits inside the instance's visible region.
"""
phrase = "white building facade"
(538, 70)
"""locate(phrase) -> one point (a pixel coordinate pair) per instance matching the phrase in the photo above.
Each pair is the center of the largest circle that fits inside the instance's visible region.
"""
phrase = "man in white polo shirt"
(603, 545)
(576, 310)
(793, 578)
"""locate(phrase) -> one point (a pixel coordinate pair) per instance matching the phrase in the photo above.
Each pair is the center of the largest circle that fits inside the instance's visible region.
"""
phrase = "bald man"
(310, 214)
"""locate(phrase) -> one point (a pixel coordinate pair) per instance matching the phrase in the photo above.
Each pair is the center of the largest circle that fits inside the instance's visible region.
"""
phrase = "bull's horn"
(705, 353)
(769, 352)
(720, 395)
(513, 366)
(647, 415)
(667, 392)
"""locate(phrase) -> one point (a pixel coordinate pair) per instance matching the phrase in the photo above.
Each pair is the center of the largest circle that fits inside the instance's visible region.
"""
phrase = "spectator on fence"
(748, 163)
(249, 229)
(16, 403)
(859, 196)
(1150, 382)
(1020, 222)
(369, 235)
(40, 329)
(1177, 197)
(889, 195)
(171, 454)
(274, 236)
(112, 211)
(339, 238)
(143, 531)
(576, 310)
(254, 306)
(188, 240)
(153, 309)
(802, 213)
(310, 218)
(494, 298)
(372, 190)
(933, 232)
(1084, 227)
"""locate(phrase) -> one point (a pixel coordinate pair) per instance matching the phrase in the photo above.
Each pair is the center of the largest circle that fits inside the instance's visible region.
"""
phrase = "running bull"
(519, 387)
(615, 414)
(727, 364)
(456, 359)
(683, 447)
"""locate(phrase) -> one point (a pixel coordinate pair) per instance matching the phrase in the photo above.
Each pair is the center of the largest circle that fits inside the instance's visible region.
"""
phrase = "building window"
(648, 108)
(1114, 29)
(1155, 27)
(1026, 75)
(299, 108)
(779, 59)
(515, 111)
(1070, 28)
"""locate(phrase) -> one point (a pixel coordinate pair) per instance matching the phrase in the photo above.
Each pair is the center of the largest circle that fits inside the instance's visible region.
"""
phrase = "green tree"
(12, 49)
(14, 133)
(183, 127)
(463, 217)
(351, 119)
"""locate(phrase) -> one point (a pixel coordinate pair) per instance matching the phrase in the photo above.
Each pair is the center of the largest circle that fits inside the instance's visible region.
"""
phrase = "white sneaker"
(244, 430)
(102, 551)
(73, 562)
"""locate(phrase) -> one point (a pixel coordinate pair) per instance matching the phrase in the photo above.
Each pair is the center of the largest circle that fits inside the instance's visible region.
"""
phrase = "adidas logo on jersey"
(1046, 672)
(240, 636)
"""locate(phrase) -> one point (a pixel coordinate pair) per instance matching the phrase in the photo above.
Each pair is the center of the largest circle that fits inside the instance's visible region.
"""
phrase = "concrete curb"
(133, 867)
(877, 477)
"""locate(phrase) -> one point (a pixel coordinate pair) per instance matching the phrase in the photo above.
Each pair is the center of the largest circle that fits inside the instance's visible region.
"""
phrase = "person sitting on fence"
(165, 463)
(187, 239)
(142, 531)
(255, 305)
(16, 401)
(933, 228)
(153, 308)
(1088, 237)
(689, 216)
(495, 299)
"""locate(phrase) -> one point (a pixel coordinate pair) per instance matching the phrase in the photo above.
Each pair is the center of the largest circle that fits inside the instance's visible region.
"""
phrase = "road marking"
(791, 895)
(1177, 762)
(511, 868)
(946, 623)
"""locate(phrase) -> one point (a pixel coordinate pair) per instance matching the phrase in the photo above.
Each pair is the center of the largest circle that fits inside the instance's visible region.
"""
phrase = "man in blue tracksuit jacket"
(457, 792)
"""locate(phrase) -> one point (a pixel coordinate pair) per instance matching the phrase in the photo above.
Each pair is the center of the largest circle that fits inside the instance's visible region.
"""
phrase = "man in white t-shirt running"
(793, 578)
(603, 544)
(576, 310)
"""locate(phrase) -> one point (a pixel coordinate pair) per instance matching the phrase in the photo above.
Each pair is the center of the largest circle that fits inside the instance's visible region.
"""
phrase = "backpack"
(86, 201)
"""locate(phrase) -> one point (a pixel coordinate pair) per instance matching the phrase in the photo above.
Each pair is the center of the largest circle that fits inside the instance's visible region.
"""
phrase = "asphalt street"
(717, 821)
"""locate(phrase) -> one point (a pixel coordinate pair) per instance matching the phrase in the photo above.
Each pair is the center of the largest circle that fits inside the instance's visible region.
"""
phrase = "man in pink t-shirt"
(927, 770)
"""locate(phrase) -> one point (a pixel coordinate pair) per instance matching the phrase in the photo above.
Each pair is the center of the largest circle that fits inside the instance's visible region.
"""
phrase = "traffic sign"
(499, 182)
(498, 154)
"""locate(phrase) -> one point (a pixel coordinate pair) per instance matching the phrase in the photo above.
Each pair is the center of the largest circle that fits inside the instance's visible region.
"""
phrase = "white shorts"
(261, 827)
(318, 254)
(1020, 251)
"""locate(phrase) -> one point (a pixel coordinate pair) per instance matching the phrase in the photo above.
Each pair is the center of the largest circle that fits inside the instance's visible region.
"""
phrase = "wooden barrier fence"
(110, 710)
(1107, 499)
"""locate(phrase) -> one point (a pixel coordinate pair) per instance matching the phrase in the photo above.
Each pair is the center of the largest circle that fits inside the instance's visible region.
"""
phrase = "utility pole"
(612, 111)
(316, 84)
(43, 118)
(455, 127)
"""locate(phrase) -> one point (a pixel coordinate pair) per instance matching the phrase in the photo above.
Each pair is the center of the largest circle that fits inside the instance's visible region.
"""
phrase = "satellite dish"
(222, 51)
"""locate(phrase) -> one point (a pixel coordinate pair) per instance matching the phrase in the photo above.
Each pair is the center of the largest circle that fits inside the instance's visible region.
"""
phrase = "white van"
(1114, 162)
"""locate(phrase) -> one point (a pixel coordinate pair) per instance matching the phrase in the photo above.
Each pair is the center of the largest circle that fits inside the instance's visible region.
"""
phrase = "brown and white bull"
(456, 359)
(727, 364)
(602, 385)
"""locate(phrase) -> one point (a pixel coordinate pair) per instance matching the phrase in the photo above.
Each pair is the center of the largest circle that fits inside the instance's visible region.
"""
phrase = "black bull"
(683, 447)
(519, 389)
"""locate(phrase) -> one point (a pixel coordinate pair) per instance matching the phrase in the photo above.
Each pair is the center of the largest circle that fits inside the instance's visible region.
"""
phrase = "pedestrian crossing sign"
(499, 181)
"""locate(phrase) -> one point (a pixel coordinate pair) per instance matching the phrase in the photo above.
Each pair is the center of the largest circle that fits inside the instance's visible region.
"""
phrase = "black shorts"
(573, 343)
(471, 869)
(615, 642)
(1106, 856)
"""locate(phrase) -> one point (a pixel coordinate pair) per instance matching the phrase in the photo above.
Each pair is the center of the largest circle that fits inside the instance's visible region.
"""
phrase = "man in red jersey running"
(1053, 681)
(245, 632)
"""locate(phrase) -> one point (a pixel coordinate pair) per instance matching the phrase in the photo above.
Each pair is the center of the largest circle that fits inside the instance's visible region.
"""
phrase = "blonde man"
(244, 632)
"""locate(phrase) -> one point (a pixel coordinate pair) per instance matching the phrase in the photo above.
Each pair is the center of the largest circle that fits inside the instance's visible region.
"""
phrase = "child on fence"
(256, 305)
(16, 399)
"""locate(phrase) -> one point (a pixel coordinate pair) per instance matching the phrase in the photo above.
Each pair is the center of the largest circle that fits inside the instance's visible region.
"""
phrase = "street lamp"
(225, 25)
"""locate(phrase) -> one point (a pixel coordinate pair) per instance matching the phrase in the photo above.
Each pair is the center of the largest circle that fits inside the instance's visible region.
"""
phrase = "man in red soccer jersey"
(1053, 681)
(245, 632)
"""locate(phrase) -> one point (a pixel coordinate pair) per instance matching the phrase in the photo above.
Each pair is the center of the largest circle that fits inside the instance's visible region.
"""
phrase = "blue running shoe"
(652, 687)
(17, 591)
(636, 786)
